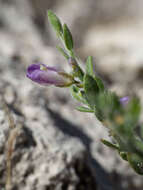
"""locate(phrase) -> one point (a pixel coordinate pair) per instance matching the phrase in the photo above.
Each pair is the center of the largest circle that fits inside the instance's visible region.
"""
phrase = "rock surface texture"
(57, 147)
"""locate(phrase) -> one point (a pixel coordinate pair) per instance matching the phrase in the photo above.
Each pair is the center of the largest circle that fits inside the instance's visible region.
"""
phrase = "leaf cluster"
(121, 120)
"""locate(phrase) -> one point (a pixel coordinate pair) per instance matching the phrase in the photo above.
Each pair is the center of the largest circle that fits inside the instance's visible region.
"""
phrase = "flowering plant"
(119, 114)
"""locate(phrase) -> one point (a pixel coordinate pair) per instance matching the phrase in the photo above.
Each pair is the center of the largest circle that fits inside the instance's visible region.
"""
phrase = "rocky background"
(59, 148)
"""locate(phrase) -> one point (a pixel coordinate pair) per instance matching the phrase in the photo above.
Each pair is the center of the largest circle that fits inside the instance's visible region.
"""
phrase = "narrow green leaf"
(91, 90)
(90, 71)
(89, 66)
(67, 37)
(109, 144)
(61, 50)
(55, 22)
(84, 109)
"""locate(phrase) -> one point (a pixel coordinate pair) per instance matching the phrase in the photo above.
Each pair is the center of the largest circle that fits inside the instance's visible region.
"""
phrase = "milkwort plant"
(119, 114)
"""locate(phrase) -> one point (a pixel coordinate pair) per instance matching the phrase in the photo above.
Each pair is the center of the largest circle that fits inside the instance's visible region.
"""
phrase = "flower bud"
(124, 100)
(46, 75)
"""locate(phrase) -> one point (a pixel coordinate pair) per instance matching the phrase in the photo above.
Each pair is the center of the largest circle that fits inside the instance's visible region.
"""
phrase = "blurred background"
(59, 148)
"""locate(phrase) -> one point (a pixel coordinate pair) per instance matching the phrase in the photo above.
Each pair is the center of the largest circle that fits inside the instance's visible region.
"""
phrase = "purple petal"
(124, 100)
(46, 76)
(37, 66)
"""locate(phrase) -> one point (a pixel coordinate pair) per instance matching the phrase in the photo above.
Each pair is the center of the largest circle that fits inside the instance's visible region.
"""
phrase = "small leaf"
(55, 22)
(67, 37)
(89, 66)
(61, 50)
(109, 144)
(84, 109)
(91, 90)
(90, 71)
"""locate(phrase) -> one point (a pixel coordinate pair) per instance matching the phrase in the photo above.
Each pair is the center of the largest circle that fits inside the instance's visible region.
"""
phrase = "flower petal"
(124, 100)
(45, 75)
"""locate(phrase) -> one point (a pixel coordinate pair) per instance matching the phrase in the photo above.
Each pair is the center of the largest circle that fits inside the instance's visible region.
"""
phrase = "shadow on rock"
(71, 130)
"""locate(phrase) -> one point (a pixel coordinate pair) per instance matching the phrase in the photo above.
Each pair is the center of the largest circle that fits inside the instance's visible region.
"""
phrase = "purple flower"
(46, 75)
(124, 100)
